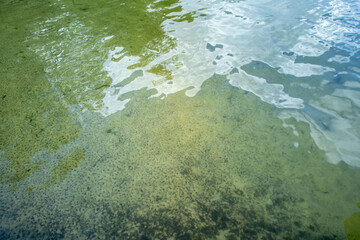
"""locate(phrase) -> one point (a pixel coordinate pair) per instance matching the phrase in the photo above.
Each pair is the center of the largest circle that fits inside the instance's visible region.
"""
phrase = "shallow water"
(179, 119)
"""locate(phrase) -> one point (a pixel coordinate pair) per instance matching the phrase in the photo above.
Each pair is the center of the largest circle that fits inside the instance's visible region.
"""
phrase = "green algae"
(132, 77)
(73, 58)
(29, 190)
(32, 116)
(193, 167)
(51, 65)
(72, 42)
(352, 226)
(133, 27)
(188, 17)
(161, 70)
(217, 164)
(164, 4)
(64, 166)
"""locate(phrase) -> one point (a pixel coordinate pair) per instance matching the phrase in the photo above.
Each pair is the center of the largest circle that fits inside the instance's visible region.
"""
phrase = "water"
(179, 119)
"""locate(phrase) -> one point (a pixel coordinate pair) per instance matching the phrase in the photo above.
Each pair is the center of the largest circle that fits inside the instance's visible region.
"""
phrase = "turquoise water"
(179, 119)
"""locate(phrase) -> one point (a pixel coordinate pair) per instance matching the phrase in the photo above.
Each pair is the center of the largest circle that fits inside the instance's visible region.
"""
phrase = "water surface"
(179, 119)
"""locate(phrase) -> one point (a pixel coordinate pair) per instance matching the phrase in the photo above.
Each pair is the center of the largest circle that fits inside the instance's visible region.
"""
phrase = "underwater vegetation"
(41, 96)
(219, 165)
(352, 226)
(32, 116)
(64, 166)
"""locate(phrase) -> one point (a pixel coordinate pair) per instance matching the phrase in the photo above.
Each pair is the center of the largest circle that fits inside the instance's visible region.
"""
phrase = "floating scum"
(218, 165)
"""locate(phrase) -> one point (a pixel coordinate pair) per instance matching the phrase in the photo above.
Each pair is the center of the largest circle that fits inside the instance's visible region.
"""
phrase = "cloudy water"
(180, 119)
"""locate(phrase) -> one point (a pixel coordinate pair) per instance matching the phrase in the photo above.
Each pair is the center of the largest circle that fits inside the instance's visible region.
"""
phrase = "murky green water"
(218, 165)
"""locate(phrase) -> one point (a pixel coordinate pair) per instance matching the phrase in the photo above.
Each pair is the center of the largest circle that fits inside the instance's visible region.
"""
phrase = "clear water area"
(100, 139)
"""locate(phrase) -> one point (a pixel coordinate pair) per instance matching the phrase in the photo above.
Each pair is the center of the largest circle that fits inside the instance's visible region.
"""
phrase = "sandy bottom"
(220, 165)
